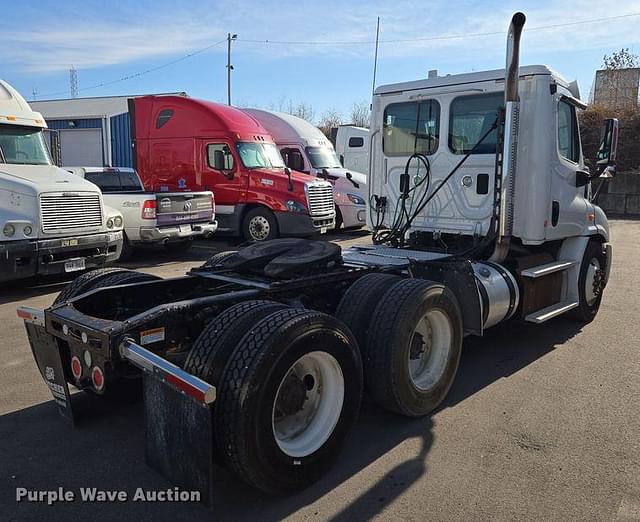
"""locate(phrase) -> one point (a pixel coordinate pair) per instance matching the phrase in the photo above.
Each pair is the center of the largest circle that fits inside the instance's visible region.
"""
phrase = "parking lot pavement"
(541, 423)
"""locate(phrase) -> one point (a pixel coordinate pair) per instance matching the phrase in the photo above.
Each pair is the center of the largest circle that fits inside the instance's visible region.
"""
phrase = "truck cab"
(305, 148)
(443, 118)
(185, 144)
(352, 147)
(52, 221)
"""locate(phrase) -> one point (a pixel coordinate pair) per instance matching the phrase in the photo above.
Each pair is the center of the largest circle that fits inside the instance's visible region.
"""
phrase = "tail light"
(149, 209)
(97, 378)
(76, 367)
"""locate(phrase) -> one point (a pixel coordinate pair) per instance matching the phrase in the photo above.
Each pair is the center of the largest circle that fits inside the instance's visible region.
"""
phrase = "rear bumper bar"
(178, 415)
(177, 232)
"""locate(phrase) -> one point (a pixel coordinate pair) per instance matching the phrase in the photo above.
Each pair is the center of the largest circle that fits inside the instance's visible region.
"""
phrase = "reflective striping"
(185, 382)
(70, 211)
(31, 315)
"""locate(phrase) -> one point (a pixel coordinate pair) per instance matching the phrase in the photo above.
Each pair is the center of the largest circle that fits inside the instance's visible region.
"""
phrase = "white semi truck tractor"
(482, 212)
(51, 221)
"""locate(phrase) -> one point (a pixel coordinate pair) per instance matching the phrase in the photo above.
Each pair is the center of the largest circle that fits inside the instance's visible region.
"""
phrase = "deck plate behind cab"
(285, 257)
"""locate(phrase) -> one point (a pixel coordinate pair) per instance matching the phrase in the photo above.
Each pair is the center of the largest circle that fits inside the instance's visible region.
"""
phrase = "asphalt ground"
(542, 422)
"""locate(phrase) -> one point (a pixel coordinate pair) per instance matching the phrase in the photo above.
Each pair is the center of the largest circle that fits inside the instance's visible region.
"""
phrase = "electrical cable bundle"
(403, 219)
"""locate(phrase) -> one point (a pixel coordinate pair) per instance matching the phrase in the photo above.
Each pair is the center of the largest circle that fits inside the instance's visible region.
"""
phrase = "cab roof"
(288, 129)
(474, 77)
(14, 109)
(194, 117)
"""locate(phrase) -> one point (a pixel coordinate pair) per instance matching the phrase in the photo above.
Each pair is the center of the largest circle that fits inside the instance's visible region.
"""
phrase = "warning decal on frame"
(152, 336)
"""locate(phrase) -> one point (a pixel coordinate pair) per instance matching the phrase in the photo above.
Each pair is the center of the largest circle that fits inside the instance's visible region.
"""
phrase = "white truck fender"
(572, 249)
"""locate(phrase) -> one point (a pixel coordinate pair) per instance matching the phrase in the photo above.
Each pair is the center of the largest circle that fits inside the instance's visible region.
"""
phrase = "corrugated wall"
(121, 151)
(92, 123)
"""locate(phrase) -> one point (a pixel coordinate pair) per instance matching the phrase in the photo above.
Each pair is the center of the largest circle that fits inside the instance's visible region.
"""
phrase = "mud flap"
(49, 360)
(179, 437)
(178, 421)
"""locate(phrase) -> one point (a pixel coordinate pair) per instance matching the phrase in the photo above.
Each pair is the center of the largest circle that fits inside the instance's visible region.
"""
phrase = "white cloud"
(131, 34)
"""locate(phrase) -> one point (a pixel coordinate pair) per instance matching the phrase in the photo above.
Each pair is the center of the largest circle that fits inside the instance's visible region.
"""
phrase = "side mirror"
(582, 177)
(607, 151)
(218, 160)
(220, 163)
(295, 161)
(350, 178)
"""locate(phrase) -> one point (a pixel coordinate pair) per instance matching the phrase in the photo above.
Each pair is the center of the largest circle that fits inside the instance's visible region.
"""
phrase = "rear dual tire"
(411, 342)
(289, 394)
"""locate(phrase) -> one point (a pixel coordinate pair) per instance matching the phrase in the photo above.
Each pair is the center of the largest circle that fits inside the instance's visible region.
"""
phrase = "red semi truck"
(182, 143)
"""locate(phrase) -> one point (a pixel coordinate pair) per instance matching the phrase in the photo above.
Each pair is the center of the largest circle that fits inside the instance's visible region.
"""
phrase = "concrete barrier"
(622, 194)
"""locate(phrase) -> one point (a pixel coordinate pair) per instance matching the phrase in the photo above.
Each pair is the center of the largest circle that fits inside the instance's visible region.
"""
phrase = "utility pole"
(375, 62)
(73, 82)
(229, 66)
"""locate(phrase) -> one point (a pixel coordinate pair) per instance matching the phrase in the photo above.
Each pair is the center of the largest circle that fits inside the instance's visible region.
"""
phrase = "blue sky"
(106, 41)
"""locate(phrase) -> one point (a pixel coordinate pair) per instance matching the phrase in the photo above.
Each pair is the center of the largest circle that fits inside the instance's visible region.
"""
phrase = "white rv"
(50, 220)
(352, 147)
(306, 149)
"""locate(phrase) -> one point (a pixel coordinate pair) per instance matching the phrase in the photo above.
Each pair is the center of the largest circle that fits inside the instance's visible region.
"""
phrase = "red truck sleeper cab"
(182, 143)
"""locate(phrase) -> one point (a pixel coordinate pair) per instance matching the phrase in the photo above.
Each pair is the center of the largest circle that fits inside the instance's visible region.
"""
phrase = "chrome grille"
(60, 211)
(320, 199)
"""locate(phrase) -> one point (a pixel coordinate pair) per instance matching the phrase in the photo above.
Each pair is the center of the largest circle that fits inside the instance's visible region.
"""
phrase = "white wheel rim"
(590, 294)
(301, 432)
(430, 349)
(259, 228)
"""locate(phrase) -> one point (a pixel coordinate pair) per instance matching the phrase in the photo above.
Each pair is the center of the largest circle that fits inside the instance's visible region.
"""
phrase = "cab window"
(223, 153)
(568, 134)
(470, 119)
(106, 181)
(411, 127)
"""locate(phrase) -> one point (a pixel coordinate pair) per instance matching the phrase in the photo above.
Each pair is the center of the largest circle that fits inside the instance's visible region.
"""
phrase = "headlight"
(9, 230)
(355, 199)
(117, 221)
(110, 223)
(294, 206)
(27, 230)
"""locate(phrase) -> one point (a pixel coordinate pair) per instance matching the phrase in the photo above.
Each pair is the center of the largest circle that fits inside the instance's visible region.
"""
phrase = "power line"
(338, 42)
(432, 38)
(140, 73)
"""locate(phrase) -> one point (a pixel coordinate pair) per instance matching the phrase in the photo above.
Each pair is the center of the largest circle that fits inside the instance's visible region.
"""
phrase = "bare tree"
(622, 59)
(301, 110)
(330, 118)
(304, 111)
(360, 114)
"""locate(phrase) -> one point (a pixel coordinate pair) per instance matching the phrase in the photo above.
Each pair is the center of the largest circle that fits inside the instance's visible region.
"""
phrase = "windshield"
(259, 155)
(23, 145)
(323, 158)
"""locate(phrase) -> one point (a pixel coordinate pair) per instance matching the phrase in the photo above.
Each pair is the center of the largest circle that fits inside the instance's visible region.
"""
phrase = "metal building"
(91, 132)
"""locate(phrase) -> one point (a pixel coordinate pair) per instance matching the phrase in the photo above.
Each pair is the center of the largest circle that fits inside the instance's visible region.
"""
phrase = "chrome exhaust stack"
(510, 147)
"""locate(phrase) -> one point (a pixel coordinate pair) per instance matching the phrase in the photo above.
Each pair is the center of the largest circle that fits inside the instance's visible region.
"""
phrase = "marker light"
(9, 230)
(97, 378)
(76, 367)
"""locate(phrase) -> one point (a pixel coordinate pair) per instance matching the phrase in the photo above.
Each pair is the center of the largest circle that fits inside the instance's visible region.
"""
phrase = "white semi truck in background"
(352, 147)
(305, 148)
(482, 211)
(51, 221)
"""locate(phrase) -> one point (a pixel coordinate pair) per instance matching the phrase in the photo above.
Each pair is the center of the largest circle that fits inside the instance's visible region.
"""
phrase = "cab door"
(221, 172)
(569, 207)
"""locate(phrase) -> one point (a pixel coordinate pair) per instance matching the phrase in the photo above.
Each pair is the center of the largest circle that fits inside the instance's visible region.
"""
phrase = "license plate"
(69, 242)
(323, 230)
(73, 265)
